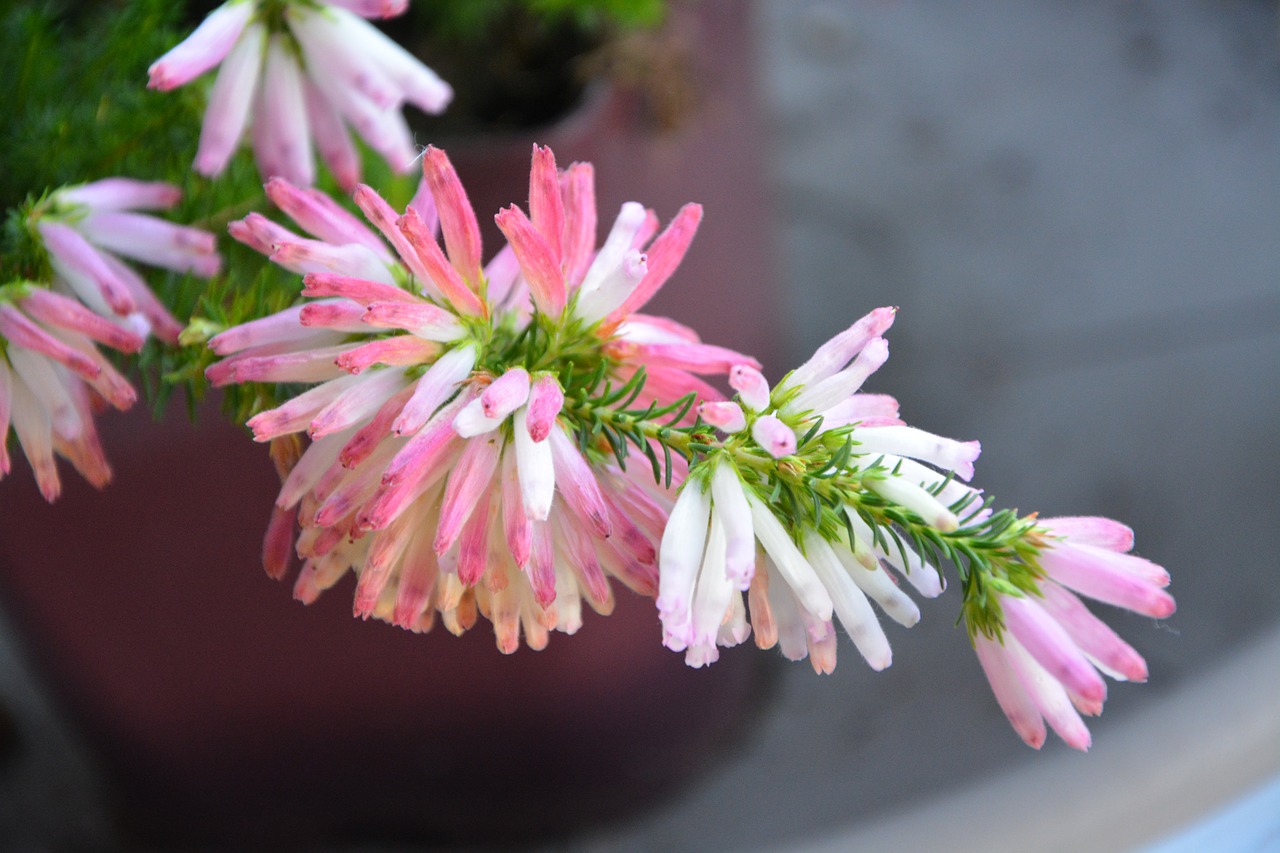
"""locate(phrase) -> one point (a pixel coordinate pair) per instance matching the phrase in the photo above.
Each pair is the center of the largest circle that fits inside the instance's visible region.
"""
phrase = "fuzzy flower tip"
(52, 377)
(454, 462)
(86, 229)
(306, 73)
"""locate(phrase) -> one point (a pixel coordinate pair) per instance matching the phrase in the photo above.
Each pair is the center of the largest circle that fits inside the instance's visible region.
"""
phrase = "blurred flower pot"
(222, 712)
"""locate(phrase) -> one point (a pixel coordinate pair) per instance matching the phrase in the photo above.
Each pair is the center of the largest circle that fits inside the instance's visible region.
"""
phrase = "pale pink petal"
(546, 399)
(322, 217)
(229, 102)
(447, 280)
(1018, 707)
(207, 45)
(1091, 530)
(723, 415)
(578, 485)
(121, 194)
(777, 439)
(839, 350)
(506, 393)
(1052, 648)
(332, 139)
(467, 487)
(752, 387)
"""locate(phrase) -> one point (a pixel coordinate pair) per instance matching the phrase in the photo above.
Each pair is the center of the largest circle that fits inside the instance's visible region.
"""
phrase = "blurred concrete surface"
(1076, 207)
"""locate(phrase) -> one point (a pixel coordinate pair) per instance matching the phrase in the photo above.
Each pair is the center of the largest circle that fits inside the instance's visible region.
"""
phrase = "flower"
(305, 70)
(798, 578)
(51, 375)
(84, 227)
(1045, 666)
(449, 465)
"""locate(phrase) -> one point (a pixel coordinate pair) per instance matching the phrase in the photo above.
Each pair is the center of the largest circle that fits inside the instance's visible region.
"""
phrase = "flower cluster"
(297, 70)
(449, 464)
(50, 375)
(506, 437)
(502, 438)
(84, 230)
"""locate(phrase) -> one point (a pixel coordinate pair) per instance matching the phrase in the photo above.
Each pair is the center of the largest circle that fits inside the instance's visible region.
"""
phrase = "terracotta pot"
(222, 712)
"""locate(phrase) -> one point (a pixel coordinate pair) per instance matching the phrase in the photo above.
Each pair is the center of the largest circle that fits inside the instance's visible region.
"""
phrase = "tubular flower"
(1046, 663)
(456, 462)
(728, 535)
(84, 228)
(294, 70)
(818, 486)
(51, 377)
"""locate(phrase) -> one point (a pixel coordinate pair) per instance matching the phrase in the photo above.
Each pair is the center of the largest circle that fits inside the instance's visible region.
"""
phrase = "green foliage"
(77, 109)
(470, 21)
(602, 417)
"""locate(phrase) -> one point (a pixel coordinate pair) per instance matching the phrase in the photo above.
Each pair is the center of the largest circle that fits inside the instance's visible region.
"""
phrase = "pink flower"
(85, 228)
(1047, 664)
(445, 467)
(51, 376)
(325, 68)
(604, 290)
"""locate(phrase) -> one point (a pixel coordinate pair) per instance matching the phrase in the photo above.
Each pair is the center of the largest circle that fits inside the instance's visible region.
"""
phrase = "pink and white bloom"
(440, 469)
(324, 69)
(796, 588)
(86, 229)
(560, 271)
(724, 540)
(1048, 663)
(52, 377)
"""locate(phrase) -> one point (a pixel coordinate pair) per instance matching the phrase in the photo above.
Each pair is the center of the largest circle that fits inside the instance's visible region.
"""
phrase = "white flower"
(326, 68)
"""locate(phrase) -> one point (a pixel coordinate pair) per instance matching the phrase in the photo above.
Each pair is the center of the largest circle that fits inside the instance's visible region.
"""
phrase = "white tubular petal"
(327, 42)
(792, 565)
(711, 597)
(915, 498)
(536, 468)
(850, 604)
(416, 83)
(922, 576)
(836, 353)
(47, 384)
(613, 289)
(679, 557)
(877, 584)
(946, 453)
(735, 628)
(471, 420)
(735, 515)
(615, 248)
